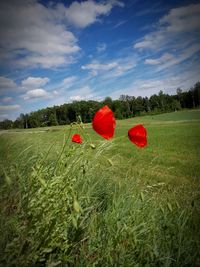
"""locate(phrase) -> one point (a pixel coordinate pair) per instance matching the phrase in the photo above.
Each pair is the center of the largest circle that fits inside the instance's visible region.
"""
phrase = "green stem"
(63, 149)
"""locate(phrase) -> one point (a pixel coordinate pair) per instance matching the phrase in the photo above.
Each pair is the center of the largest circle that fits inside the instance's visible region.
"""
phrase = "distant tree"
(118, 114)
(139, 105)
(196, 94)
(188, 99)
(146, 104)
(53, 120)
(71, 113)
(162, 100)
(175, 105)
(23, 118)
(117, 109)
(126, 106)
(18, 123)
(154, 102)
(179, 91)
(108, 101)
(93, 106)
(6, 124)
(33, 121)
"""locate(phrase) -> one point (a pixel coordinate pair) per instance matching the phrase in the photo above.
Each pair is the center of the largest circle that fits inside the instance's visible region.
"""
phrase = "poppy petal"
(138, 135)
(104, 122)
(76, 138)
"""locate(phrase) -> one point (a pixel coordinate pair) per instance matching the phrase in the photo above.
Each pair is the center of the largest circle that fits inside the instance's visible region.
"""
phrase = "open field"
(65, 204)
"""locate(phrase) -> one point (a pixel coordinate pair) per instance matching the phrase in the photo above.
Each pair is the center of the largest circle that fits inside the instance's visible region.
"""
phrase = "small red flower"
(104, 122)
(76, 138)
(138, 135)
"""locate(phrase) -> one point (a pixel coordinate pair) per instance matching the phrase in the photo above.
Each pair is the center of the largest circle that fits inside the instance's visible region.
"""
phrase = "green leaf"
(74, 222)
(76, 206)
(169, 206)
(54, 264)
(142, 196)
(110, 161)
(8, 179)
(47, 250)
(42, 181)
(161, 208)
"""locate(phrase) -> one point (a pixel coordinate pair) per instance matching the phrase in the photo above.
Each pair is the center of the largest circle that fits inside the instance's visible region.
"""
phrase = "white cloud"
(85, 13)
(177, 29)
(6, 84)
(178, 32)
(35, 35)
(68, 81)
(80, 93)
(95, 65)
(46, 61)
(124, 65)
(183, 55)
(120, 23)
(36, 93)
(72, 88)
(83, 93)
(77, 98)
(9, 107)
(159, 60)
(34, 82)
(168, 84)
(112, 68)
(182, 19)
(7, 99)
(55, 93)
(101, 47)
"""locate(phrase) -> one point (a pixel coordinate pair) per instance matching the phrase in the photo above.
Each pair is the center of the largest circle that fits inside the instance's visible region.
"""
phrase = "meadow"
(106, 204)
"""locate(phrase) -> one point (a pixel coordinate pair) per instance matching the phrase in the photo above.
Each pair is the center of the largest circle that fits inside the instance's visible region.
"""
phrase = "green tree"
(6, 124)
(196, 94)
(108, 101)
(53, 120)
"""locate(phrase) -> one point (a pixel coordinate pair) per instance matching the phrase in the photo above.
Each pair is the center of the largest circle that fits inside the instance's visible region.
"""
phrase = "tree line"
(124, 107)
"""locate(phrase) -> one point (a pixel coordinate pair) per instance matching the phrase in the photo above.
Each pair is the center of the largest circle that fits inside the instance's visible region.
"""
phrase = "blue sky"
(55, 52)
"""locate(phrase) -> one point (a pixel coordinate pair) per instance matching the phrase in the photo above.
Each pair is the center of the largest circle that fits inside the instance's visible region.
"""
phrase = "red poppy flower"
(104, 122)
(76, 138)
(138, 135)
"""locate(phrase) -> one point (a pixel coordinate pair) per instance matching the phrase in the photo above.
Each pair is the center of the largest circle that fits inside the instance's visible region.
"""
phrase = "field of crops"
(67, 204)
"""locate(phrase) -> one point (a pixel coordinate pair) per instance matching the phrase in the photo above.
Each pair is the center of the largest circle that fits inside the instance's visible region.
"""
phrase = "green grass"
(115, 205)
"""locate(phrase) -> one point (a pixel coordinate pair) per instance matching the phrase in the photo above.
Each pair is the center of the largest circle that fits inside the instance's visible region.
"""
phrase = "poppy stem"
(63, 148)
(81, 126)
(44, 158)
(85, 133)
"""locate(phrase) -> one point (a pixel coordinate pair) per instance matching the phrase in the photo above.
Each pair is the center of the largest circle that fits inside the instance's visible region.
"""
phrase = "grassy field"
(65, 204)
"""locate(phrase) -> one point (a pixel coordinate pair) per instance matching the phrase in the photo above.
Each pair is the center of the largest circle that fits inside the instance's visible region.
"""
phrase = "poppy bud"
(76, 138)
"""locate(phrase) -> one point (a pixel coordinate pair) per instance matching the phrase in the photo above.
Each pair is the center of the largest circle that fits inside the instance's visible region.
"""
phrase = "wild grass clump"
(47, 219)
(85, 208)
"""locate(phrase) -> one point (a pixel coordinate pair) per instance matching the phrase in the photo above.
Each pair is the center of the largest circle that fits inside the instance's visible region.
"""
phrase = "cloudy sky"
(53, 52)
